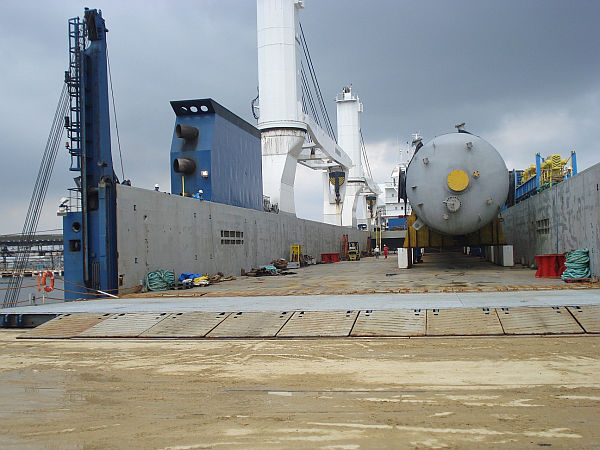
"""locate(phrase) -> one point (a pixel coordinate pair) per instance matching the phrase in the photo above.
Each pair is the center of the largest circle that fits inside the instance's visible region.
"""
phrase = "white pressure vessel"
(456, 183)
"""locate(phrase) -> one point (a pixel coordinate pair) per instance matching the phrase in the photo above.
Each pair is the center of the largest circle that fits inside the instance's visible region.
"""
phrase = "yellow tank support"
(491, 234)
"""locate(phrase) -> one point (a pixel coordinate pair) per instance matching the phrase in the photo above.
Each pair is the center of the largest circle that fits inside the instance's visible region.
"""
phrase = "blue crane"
(90, 237)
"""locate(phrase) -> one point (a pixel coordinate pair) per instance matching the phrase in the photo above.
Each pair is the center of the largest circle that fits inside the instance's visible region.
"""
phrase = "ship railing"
(74, 196)
(526, 189)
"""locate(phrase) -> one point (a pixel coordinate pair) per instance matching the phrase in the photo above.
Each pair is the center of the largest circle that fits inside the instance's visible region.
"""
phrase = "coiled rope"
(159, 280)
(577, 264)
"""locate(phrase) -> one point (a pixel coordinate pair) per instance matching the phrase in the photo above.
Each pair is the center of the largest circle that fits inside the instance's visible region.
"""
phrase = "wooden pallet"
(578, 280)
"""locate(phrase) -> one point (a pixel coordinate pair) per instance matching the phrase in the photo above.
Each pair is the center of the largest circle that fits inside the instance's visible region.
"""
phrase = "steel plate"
(546, 320)
(250, 324)
(587, 316)
(192, 324)
(463, 322)
(65, 326)
(390, 323)
(124, 325)
(319, 323)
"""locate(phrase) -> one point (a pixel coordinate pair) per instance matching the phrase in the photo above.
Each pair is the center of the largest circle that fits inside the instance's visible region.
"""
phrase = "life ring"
(47, 273)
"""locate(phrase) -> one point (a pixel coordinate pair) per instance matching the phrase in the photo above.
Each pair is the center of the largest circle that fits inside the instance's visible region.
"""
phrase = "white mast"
(349, 109)
(281, 118)
(284, 126)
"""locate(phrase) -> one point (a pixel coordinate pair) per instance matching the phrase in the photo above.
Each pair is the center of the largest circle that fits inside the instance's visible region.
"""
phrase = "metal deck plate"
(390, 323)
(180, 325)
(65, 326)
(124, 325)
(250, 324)
(547, 320)
(587, 316)
(319, 323)
(463, 322)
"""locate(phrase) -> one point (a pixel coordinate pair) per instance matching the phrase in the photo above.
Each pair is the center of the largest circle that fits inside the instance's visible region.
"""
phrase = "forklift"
(353, 251)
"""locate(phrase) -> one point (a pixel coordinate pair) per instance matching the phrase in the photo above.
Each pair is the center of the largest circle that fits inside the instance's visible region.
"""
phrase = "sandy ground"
(330, 393)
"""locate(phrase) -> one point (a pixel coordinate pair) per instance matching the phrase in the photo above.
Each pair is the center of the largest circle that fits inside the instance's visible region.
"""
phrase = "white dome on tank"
(457, 183)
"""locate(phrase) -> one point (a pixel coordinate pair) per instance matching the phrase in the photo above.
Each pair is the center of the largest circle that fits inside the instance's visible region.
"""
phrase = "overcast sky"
(524, 75)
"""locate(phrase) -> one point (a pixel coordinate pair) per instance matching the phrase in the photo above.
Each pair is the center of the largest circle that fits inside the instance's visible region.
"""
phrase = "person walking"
(385, 251)
(418, 255)
(376, 252)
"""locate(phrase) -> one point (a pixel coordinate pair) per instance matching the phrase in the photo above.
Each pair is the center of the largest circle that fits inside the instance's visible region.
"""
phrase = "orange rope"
(91, 289)
(76, 292)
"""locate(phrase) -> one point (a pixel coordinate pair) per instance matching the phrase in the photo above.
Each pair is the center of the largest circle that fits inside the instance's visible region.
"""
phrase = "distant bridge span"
(16, 240)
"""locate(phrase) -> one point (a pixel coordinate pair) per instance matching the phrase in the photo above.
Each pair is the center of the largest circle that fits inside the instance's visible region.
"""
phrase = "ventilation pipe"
(186, 132)
(185, 166)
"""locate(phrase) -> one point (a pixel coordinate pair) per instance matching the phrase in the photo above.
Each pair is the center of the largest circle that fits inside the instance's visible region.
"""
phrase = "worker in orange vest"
(385, 251)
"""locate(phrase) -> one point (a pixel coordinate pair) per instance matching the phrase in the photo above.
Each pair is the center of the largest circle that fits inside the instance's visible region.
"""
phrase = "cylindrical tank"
(457, 183)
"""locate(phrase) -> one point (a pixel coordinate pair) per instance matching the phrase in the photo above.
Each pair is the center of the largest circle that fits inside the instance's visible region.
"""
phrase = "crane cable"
(317, 88)
(364, 153)
(308, 95)
(38, 197)
(112, 94)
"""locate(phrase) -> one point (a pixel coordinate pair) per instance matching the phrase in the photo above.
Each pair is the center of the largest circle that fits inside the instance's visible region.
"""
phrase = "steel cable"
(364, 153)
(37, 199)
(308, 95)
(313, 75)
(112, 94)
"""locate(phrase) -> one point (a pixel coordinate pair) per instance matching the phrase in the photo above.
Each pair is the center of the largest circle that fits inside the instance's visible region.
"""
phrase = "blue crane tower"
(90, 238)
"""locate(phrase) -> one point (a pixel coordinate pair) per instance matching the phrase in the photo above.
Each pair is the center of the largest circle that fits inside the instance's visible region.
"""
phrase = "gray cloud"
(523, 75)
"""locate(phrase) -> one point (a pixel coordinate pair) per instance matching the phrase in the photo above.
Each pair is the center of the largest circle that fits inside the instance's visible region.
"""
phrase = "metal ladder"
(73, 81)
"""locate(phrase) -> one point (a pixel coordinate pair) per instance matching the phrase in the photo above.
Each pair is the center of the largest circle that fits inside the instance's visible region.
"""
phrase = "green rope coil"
(577, 264)
(159, 280)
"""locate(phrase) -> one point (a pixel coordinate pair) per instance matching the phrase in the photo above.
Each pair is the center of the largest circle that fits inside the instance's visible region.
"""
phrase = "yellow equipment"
(528, 173)
(295, 253)
(554, 169)
(353, 251)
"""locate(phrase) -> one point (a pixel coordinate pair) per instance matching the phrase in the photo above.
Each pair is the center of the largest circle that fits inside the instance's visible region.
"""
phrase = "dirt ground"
(526, 392)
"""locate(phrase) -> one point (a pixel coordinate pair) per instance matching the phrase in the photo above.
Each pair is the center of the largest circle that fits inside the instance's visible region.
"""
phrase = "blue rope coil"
(577, 264)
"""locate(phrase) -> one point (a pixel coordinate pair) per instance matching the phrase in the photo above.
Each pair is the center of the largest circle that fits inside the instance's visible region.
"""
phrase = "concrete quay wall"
(562, 218)
(156, 230)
